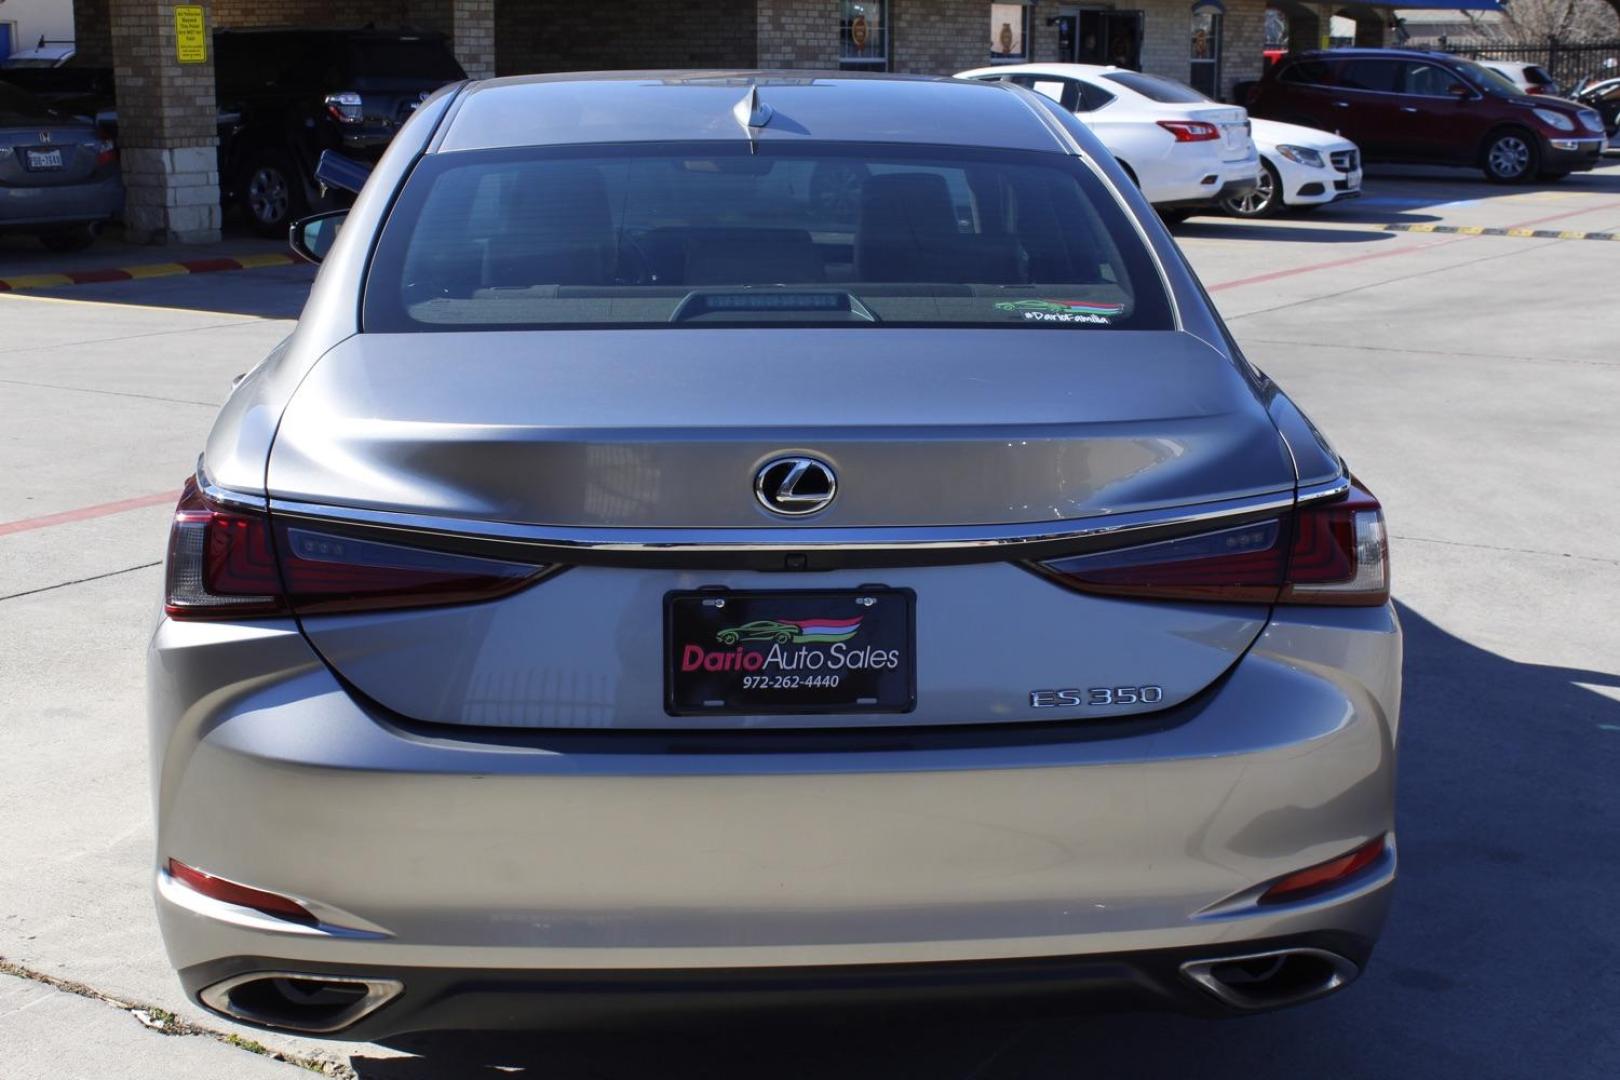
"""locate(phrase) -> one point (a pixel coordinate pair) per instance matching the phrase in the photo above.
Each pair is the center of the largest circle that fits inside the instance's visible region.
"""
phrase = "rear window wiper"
(771, 304)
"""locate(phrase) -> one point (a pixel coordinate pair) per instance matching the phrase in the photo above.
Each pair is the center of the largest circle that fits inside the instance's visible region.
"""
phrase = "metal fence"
(1568, 63)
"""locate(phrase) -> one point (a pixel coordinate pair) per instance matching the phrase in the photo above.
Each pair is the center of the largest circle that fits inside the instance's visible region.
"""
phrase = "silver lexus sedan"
(723, 540)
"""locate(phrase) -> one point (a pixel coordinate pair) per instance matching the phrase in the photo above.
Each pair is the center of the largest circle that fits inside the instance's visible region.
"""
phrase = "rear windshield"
(17, 106)
(1156, 89)
(424, 58)
(799, 234)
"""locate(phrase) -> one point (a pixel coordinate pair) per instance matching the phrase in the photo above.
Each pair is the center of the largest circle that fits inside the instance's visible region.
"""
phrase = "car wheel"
(1263, 202)
(69, 239)
(1510, 157)
(272, 193)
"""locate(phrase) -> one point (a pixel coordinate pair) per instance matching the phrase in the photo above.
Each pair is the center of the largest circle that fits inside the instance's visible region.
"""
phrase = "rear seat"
(733, 256)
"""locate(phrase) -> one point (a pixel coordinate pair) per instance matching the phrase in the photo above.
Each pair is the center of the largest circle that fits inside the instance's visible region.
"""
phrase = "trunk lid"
(657, 429)
(48, 153)
(624, 429)
(1236, 140)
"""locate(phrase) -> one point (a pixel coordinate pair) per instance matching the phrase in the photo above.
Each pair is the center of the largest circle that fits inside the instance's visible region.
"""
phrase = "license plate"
(847, 651)
(43, 159)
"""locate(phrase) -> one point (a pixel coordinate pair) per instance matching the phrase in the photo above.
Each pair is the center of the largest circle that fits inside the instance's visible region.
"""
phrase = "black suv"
(1432, 108)
(287, 94)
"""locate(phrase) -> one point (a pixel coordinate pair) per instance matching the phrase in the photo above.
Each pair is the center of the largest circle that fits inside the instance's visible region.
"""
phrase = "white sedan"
(1185, 151)
(1301, 167)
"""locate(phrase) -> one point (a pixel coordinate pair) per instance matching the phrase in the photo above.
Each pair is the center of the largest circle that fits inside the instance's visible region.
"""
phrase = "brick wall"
(939, 37)
(552, 35)
(798, 34)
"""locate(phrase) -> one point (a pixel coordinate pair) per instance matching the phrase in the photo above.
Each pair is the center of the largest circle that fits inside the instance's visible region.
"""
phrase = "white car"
(1301, 167)
(1185, 151)
(1529, 78)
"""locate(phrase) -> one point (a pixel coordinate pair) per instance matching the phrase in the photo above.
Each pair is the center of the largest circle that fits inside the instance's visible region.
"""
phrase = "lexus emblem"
(793, 486)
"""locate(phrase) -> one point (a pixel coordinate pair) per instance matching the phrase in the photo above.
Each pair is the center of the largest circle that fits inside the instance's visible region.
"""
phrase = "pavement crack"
(80, 581)
(114, 393)
(167, 1023)
(1510, 550)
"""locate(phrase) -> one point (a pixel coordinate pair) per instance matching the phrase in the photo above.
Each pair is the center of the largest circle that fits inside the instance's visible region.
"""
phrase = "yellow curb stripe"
(151, 270)
(38, 281)
(268, 258)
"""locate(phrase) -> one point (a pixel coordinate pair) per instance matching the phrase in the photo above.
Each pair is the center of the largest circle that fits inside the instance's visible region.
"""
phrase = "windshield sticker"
(1063, 311)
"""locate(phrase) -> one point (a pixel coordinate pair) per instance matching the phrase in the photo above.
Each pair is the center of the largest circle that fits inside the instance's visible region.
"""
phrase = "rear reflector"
(1191, 130)
(1323, 553)
(282, 907)
(227, 562)
(1297, 886)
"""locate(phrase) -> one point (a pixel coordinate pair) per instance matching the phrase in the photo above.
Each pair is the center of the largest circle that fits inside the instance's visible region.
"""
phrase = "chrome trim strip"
(883, 538)
(1332, 489)
(241, 500)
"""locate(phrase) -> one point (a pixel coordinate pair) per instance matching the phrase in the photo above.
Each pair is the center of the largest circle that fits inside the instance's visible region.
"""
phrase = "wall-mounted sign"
(190, 35)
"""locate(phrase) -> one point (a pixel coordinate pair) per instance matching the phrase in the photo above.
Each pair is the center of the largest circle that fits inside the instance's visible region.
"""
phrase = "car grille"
(1345, 160)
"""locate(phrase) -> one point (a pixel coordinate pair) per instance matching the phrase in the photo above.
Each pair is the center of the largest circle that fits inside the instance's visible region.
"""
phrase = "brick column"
(1243, 43)
(1370, 30)
(1304, 29)
(473, 35)
(92, 34)
(167, 127)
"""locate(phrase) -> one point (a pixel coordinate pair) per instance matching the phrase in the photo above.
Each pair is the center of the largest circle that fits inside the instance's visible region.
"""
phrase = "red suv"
(1431, 108)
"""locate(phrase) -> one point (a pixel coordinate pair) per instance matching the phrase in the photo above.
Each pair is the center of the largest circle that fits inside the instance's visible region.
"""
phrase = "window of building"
(1207, 18)
(1009, 33)
(863, 35)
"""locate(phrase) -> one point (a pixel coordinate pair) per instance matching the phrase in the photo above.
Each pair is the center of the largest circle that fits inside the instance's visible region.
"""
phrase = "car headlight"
(1590, 120)
(1304, 155)
(1554, 119)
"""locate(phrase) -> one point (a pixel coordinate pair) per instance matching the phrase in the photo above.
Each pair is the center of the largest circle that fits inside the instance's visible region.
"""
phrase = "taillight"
(328, 572)
(1323, 876)
(1191, 130)
(221, 562)
(106, 151)
(1328, 553)
(346, 107)
(227, 562)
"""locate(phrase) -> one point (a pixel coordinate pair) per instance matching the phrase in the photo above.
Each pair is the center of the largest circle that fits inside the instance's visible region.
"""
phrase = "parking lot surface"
(1472, 379)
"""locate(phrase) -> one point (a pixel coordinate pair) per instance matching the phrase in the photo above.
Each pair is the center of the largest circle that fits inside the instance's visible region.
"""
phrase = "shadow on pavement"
(1497, 962)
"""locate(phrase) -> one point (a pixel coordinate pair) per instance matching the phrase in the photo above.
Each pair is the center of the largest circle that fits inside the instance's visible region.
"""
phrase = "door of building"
(1101, 36)
(1205, 49)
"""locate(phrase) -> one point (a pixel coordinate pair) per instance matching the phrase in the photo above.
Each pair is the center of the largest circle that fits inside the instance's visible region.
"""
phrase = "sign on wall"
(190, 35)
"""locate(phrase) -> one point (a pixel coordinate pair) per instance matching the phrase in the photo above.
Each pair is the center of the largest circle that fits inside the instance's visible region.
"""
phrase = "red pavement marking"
(1331, 264)
(85, 512)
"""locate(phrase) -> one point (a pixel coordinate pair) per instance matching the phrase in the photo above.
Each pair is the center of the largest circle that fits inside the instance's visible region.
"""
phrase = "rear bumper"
(511, 866)
(440, 999)
(24, 208)
(1231, 189)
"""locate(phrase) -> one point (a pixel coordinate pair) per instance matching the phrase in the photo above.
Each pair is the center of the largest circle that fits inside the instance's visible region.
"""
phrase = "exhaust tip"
(1272, 979)
(301, 1002)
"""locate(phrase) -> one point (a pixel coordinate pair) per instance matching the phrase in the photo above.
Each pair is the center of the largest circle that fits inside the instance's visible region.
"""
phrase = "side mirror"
(312, 237)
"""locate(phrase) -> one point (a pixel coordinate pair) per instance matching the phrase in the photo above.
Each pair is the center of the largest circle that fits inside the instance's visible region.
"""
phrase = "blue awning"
(1445, 5)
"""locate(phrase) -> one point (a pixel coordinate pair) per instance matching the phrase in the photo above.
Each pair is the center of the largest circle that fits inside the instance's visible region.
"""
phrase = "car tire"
(1263, 202)
(271, 192)
(1510, 157)
(76, 239)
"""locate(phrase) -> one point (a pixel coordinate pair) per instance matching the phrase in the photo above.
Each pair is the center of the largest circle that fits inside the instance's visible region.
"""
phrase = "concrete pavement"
(1472, 381)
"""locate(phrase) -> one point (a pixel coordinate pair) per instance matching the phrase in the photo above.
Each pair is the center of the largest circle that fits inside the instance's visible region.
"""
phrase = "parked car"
(297, 92)
(444, 733)
(59, 177)
(1431, 108)
(1301, 168)
(1603, 94)
(1529, 78)
(1185, 151)
(46, 54)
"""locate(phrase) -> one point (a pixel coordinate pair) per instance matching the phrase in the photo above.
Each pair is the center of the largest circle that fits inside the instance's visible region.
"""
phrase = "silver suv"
(757, 539)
